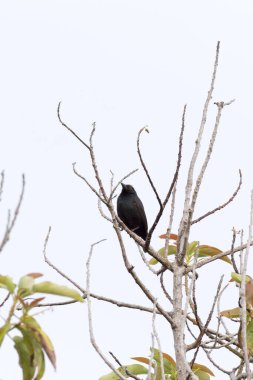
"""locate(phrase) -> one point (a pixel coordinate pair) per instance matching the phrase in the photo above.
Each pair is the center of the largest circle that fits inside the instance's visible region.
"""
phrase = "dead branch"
(174, 180)
(11, 222)
(222, 205)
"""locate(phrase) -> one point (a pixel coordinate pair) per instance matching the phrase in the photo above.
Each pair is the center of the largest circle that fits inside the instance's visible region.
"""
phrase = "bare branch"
(122, 179)
(223, 205)
(164, 289)
(92, 337)
(187, 212)
(208, 260)
(69, 129)
(243, 312)
(144, 166)
(54, 267)
(10, 223)
(155, 334)
(123, 367)
(2, 184)
(87, 183)
(173, 183)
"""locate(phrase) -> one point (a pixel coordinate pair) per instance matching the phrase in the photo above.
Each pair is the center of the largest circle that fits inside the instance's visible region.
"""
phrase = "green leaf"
(25, 352)
(202, 371)
(7, 283)
(231, 313)
(60, 290)
(25, 285)
(207, 250)
(135, 369)
(37, 359)
(3, 330)
(191, 250)
(41, 337)
(250, 337)
(238, 277)
(168, 363)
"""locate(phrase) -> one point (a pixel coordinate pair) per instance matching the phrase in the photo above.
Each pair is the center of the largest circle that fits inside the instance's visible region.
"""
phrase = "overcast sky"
(123, 64)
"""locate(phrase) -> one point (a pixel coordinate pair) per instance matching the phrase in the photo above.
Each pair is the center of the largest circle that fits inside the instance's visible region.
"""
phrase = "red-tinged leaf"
(172, 236)
(231, 313)
(168, 362)
(249, 291)
(35, 275)
(202, 368)
(141, 359)
(250, 337)
(207, 250)
(35, 302)
(169, 358)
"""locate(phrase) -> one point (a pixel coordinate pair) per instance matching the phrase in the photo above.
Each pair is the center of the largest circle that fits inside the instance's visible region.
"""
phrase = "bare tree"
(191, 333)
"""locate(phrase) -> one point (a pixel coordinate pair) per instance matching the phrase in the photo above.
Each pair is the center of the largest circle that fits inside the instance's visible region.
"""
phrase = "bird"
(131, 211)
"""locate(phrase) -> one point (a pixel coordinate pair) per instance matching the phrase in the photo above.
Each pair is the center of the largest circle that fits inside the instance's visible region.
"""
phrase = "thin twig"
(144, 166)
(164, 289)
(5, 300)
(155, 334)
(92, 337)
(54, 267)
(243, 312)
(122, 179)
(174, 180)
(208, 260)
(69, 129)
(221, 206)
(124, 368)
(87, 183)
(184, 227)
(2, 184)
(11, 223)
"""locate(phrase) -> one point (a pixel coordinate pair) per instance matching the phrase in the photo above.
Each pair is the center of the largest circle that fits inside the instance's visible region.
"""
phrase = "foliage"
(31, 341)
(169, 365)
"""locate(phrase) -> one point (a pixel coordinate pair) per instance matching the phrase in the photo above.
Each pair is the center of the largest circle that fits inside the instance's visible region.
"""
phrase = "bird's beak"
(123, 186)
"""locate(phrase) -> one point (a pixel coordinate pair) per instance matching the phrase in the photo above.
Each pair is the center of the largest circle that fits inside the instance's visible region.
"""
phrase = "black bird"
(131, 211)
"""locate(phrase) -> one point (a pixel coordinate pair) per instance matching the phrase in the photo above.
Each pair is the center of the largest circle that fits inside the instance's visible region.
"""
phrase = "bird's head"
(127, 189)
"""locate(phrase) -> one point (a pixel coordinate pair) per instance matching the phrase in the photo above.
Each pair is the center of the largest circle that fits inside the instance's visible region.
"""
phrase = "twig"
(221, 206)
(243, 313)
(124, 368)
(87, 183)
(10, 223)
(146, 261)
(130, 269)
(208, 260)
(54, 267)
(184, 227)
(2, 184)
(232, 249)
(122, 179)
(155, 334)
(5, 300)
(94, 165)
(164, 289)
(92, 337)
(144, 166)
(174, 180)
(69, 129)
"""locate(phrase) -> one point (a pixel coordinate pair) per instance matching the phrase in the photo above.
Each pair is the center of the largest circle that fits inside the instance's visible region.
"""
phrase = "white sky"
(123, 64)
